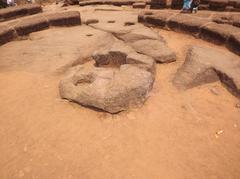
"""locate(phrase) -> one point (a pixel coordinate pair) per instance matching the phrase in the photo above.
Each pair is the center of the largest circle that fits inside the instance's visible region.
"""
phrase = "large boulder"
(108, 89)
(156, 49)
(204, 65)
(121, 78)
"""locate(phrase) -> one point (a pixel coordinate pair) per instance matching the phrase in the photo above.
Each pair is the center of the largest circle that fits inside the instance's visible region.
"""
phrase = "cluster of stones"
(205, 28)
(123, 73)
(26, 25)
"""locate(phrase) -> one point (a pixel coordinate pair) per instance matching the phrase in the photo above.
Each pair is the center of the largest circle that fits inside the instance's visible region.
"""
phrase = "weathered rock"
(68, 18)
(141, 61)
(218, 4)
(6, 34)
(158, 19)
(218, 33)
(113, 56)
(71, 2)
(91, 21)
(204, 65)
(107, 2)
(177, 4)
(18, 11)
(156, 49)
(234, 43)
(232, 19)
(158, 4)
(111, 90)
(139, 34)
(120, 54)
(187, 24)
(33, 24)
(139, 5)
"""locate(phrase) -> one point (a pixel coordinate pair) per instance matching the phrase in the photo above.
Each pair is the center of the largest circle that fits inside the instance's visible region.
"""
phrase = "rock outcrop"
(121, 78)
(108, 89)
(205, 65)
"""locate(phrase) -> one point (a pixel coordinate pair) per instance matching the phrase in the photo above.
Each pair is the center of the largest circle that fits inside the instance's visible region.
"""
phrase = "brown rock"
(111, 90)
(234, 43)
(204, 65)
(68, 18)
(156, 49)
(185, 23)
(91, 21)
(139, 34)
(18, 11)
(6, 34)
(218, 4)
(33, 24)
(139, 5)
(158, 19)
(218, 33)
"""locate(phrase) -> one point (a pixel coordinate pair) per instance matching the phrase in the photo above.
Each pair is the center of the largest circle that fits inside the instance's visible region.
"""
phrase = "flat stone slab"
(139, 34)
(204, 65)
(107, 2)
(158, 19)
(156, 49)
(139, 5)
(187, 23)
(27, 25)
(32, 24)
(18, 11)
(218, 33)
(108, 89)
(68, 18)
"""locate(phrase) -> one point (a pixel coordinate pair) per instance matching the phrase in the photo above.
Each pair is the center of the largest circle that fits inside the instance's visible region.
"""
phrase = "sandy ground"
(175, 135)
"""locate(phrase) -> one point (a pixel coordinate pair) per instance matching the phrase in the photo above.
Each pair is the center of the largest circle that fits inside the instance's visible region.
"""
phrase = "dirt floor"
(175, 135)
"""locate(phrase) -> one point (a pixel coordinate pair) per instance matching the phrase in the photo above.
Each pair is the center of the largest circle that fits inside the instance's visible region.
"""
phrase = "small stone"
(214, 91)
(219, 132)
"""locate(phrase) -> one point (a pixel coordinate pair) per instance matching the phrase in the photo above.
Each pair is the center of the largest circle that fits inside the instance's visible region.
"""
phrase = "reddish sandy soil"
(175, 135)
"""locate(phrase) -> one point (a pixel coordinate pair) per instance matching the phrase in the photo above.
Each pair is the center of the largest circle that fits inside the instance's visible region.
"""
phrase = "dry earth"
(175, 135)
